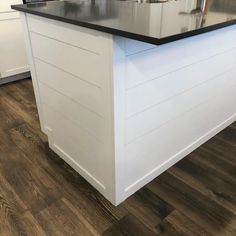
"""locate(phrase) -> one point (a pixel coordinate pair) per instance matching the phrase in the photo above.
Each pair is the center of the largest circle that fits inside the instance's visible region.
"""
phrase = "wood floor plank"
(222, 149)
(209, 215)
(81, 218)
(212, 160)
(31, 184)
(41, 195)
(88, 200)
(129, 225)
(116, 212)
(85, 201)
(233, 125)
(229, 135)
(165, 228)
(203, 187)
(178, 224)
(8, 194)
(10, 208)
(59, 220)
(148, 208)
(18, 110)
(15, 219)
(31, 226)
(25, 89)
(8, 120)
(217, 182)
(22, 96)
(13, 224)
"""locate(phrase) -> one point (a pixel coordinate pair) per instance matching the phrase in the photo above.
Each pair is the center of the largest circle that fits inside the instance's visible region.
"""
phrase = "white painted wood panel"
(158, 147)
(69, 58)
(74, 35)
(133, 46)
(222, 88)
(73, 93)
(77, 143)
(156, 91)
(167, 58)
(75, 112)
(118, 112)
(80, 91)
(153, 118)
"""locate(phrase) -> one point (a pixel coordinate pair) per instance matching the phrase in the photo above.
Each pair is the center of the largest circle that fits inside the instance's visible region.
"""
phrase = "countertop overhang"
(157, 23)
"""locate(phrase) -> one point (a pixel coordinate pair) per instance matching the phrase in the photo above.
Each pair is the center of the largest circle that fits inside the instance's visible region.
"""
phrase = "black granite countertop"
(156, 22)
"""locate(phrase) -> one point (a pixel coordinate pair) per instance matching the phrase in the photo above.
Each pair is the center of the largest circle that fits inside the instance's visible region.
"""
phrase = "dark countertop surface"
(158, 23)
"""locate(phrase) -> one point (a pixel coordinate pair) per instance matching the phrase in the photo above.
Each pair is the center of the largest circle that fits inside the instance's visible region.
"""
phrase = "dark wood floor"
(41, 195)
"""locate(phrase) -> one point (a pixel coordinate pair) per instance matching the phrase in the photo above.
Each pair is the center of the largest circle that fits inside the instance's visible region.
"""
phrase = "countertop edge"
(126, 34)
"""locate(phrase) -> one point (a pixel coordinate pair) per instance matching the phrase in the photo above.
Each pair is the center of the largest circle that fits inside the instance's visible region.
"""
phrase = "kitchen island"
(126, 89)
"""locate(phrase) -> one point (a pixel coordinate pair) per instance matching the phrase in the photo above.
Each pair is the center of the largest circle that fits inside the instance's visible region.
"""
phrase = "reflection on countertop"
(140, 18)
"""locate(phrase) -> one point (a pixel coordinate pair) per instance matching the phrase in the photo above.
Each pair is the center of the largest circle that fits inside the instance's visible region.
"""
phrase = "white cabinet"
(137, 111)
(13, 59)
(5, 5)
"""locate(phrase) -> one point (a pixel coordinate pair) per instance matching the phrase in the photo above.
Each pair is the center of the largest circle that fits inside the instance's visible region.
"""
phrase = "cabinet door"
(13, 59)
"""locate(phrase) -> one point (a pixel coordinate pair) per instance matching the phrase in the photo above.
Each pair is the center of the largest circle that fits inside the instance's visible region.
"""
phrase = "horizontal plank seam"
(67, 72)
(155, 129)
(171, 97)
(66, 43)
(75, 123)
(179, 69)
(82, 105)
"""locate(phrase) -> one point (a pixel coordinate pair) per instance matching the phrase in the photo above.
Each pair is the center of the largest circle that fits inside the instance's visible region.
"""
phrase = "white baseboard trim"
(13, 78)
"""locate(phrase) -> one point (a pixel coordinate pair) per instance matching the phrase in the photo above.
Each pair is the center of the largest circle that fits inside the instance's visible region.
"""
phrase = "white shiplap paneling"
(71, 59)
(79, 37)
(168, 110)
(80, 91)
(158, 90)
(77, 113)
(72, 81)
(159, 147)
(151, 64)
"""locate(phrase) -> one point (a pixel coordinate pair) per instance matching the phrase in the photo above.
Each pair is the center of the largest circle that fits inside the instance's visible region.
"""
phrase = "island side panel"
(177, 96)
(72, 76)
(32, 71)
